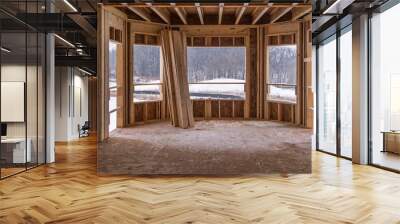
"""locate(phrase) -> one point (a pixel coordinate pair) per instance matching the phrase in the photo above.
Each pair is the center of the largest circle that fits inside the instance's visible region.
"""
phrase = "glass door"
(326, 105)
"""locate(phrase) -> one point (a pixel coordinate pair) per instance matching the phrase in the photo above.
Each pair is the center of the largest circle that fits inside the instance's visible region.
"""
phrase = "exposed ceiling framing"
(214, 13)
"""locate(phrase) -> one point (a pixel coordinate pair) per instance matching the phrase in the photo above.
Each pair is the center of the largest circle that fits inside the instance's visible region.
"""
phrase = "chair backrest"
(86, 125)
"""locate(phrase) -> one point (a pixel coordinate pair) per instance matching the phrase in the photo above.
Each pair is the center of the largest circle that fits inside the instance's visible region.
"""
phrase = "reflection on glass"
(16, 148)
(346, 94)
(282, 64)
(327, 97)
(385, 92)
(216, 72)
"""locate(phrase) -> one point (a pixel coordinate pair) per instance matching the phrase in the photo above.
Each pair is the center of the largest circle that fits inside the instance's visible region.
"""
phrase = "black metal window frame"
(381, 9)
(30, 30)
(334, 37)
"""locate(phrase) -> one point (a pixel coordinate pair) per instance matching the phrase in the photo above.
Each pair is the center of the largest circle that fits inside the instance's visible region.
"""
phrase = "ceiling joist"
(200, 13)
(141, 13)
(220, 12)
(258, 13)
(298, 13)
(280, 13)
(181, 13)
(240, 13)
(162, 13)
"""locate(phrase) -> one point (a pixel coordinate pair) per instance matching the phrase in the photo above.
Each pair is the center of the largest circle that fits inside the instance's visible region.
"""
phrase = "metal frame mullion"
(338, 95)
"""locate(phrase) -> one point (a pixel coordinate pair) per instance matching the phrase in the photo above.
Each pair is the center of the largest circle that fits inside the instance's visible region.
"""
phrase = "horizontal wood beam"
(259, 13)
(200, 13)
(240, 13)
(300, 12)
(161, 12)
(181, 13)
(141, 13)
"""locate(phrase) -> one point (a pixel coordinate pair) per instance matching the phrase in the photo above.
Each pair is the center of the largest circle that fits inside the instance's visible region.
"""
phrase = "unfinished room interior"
(199, 111)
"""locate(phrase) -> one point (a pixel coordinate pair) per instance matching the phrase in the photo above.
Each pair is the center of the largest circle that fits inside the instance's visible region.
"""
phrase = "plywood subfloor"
(70, 191)
(210, 148)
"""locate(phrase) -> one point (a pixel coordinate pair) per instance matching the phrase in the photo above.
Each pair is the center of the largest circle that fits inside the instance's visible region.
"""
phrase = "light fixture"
(84, 71)
(5, 50)
(70, 5)
(65, 41)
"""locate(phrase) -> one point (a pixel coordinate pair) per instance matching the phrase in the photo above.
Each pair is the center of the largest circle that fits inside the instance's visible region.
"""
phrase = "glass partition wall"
(22, 76)
(334, 94)
(385, 90)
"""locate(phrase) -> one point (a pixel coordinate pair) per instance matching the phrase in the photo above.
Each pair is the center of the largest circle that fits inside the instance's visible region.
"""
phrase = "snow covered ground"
(282, 93)
(214, 89)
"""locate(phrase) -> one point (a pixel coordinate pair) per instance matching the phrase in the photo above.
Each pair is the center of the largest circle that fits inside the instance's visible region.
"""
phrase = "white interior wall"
(71, 102)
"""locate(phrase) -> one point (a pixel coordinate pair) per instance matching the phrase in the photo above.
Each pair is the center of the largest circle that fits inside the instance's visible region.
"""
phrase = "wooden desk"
(16, 148)
(391, 141)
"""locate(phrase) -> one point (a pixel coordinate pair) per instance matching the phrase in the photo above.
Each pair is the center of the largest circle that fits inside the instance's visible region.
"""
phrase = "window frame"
(222, 83)
(160, 84)
(268, 84)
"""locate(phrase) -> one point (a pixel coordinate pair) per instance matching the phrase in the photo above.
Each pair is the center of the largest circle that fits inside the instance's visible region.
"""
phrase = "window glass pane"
(17, 152)
(216, 72)
(113, 99)
(385, 88)
(146, 60)
(346, 94)
(327, 97)
(113, 121)
(146, 93)
(216, 91)
(282, 64)
(112, 78)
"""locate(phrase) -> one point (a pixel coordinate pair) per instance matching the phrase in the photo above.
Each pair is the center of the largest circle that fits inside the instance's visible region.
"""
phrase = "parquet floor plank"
(70, 191)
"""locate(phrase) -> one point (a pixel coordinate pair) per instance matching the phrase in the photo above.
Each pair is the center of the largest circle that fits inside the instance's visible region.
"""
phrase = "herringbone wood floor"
(69, 191)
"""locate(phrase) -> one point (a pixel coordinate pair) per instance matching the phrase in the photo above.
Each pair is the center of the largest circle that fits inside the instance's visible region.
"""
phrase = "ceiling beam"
(162, 13)
(141, 13)
(181, 13)
(220, 12)
(84, 24)
(280, 13)
(300, 12)
(240, 13)
(205, 5)
(257, 14)
(200, 12)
